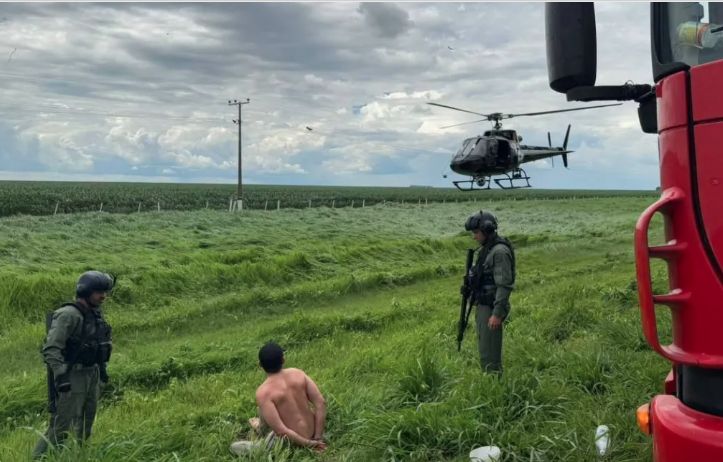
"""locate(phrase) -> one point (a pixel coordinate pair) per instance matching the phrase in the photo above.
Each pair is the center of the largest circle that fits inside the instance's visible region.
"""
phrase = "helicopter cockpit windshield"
(467, 147)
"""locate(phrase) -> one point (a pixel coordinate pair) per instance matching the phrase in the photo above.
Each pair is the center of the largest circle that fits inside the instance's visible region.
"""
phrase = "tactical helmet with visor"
(93, 281)
(482, 221)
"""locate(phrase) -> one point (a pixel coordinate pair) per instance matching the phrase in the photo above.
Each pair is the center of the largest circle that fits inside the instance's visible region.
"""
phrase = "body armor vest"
(484, 284)
(94, 344)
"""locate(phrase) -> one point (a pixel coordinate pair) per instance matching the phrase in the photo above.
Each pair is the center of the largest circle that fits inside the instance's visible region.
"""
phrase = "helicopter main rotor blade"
(458, 109)
(464, 123)
(509, 116)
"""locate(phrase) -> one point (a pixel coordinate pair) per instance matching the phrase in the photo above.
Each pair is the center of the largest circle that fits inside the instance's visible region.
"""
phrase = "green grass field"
(48, 198)
(366, 302)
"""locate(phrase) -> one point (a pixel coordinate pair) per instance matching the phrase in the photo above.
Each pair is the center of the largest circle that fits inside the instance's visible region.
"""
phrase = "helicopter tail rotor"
(564, 145)
(567, 136)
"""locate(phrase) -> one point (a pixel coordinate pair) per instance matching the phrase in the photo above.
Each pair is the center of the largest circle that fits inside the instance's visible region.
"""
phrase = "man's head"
(93, 287)
(271, 357)
(482, 224)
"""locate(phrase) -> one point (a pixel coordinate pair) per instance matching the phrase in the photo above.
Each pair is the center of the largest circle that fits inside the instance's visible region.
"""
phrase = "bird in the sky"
(309, 128)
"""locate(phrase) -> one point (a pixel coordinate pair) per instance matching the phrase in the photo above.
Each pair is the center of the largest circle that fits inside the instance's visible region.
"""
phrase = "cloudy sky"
(139, 91)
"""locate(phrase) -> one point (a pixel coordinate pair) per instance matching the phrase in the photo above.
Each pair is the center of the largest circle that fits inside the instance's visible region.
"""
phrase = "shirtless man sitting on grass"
(284, 401)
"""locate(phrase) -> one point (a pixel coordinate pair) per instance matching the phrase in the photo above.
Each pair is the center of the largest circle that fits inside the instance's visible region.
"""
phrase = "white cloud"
(359, 75)
(430, 95)
(314, 80)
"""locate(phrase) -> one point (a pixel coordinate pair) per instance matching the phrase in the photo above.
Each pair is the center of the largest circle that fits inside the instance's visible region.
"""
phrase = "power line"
(52, 110)
(85, 83)
(136, 114)
(377, 144)
(20, 78)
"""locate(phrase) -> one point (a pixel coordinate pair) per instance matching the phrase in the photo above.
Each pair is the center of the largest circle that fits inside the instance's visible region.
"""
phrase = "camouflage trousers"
(489, 341)
(75, 410)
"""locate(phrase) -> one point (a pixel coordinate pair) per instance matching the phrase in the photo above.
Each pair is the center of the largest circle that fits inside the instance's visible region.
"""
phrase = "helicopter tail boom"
(534, 153)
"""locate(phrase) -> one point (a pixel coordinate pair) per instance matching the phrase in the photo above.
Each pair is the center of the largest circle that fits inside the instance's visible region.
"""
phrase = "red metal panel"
(672, 102)
(681, 434)
(706, 91)
(709, 156)
(695, 292)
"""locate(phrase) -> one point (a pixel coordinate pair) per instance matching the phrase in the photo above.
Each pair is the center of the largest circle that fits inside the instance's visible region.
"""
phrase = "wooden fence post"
(364, 203)
(57, 204)
(101, 207)
(332, 203)
(139, 207)
(352, 203)
(266, 205)
(159, 206)
(278, 204)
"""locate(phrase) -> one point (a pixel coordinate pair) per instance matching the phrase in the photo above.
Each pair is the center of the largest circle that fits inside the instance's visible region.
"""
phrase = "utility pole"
(239, 188)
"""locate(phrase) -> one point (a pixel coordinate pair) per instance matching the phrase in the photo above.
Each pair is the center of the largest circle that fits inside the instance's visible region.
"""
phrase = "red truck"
(684, 107)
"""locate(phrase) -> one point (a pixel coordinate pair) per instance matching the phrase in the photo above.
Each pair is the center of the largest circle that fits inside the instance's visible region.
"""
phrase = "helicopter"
(499, 152)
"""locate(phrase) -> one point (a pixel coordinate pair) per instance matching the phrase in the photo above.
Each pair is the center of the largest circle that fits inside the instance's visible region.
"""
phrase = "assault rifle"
(467, 299)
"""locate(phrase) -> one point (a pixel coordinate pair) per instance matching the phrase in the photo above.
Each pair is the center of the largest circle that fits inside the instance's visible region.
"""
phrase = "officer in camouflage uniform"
(493, 281)
(76, 350)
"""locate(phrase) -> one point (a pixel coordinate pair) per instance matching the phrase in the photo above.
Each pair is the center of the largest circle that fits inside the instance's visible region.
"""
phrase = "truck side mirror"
(571, 45)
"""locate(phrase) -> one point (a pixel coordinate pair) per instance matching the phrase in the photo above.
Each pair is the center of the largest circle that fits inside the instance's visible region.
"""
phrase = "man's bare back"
(284, 401)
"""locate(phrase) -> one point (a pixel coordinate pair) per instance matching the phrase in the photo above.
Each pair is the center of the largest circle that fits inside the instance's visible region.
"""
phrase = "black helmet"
(483, 221)
(93, 281)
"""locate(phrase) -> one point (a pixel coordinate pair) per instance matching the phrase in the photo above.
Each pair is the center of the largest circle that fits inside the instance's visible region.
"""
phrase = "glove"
(104, 375)
(62, 383)
(464, 291)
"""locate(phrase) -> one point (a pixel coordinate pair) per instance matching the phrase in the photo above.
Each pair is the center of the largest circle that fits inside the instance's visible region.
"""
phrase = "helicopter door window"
(503, 153)
(491, 152)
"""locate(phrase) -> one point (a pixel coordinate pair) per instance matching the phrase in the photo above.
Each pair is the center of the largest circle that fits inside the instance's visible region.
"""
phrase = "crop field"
(46, 198)
(365, 300)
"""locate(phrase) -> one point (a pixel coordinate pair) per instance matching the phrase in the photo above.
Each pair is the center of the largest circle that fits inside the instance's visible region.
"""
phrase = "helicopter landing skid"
(475, 184)
(518, 175)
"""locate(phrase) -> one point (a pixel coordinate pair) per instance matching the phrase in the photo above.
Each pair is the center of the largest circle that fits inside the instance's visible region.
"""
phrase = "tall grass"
(366, 302)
